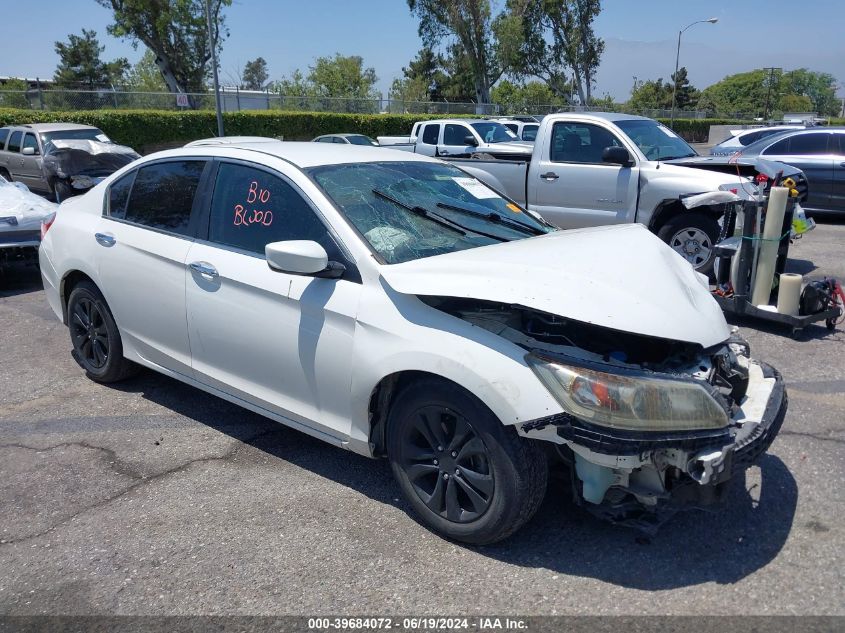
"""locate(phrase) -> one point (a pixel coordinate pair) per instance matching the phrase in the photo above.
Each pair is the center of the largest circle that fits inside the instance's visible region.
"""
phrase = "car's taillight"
(46, 223)
(761, 179)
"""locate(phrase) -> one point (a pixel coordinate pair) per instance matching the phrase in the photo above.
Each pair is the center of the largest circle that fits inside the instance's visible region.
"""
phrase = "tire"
(62, 191)
(5, 175)
(508, 473)
(97, 346)
(693, 236)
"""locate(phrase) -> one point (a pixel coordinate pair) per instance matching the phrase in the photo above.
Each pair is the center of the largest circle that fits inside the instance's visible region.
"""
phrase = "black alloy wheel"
(465, 475)
(89, 334)
(97, 346)
(447, 464)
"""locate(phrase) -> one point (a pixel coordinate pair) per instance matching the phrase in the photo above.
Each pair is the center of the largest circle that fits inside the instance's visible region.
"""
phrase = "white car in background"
(393, 305)
(740, 139)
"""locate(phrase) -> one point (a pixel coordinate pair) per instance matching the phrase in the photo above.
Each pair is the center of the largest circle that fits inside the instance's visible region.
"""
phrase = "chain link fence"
(236, 100)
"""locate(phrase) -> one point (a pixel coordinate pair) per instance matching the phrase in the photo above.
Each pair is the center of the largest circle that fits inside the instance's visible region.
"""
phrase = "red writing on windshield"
(248, 217)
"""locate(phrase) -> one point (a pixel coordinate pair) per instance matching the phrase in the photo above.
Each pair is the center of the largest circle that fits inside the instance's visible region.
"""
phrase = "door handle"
(842, 164)
(549, 175)
(104, 239)
(443, 152)
(204, 268)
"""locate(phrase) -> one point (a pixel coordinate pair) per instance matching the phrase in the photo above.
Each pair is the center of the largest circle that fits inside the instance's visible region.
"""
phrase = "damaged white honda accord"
(395, 306)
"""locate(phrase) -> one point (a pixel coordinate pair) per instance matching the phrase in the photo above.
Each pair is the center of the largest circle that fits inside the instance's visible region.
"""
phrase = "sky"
(641, 37)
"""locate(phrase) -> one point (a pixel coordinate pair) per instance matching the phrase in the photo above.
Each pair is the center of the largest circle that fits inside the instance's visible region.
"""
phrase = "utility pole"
(213, 43)
(769, 90)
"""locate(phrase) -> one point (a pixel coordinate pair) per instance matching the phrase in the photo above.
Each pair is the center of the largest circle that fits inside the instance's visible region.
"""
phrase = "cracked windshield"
(411, 210)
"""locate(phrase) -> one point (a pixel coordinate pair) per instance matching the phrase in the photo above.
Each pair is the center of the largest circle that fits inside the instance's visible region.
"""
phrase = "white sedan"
(393, 305)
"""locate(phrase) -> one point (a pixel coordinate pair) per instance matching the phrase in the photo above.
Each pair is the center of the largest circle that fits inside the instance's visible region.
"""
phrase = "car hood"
(620, 277)
(759, 164)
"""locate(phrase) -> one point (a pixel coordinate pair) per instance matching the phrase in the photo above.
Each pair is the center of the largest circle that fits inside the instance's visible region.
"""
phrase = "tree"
(653, 94)
(175, 31)
(469, 23)
(819, 88)
(523, 99)
(686, 95)
(80, 64)
(255, 74)
(341, 76)
(13, 94)
(558, 38)
(144, 76)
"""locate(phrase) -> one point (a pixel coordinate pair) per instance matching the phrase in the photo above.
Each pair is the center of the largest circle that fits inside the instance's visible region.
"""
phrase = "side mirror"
(301, 257)
(617, 155)
(28, 151)
(469, 139)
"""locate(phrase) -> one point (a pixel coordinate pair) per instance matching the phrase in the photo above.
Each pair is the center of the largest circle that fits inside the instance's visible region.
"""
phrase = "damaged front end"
(649, 425)
(82, 163)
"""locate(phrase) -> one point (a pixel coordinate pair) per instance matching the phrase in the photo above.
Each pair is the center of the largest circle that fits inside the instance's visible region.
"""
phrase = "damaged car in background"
(23, 215)
(394, 305)
(60, 159)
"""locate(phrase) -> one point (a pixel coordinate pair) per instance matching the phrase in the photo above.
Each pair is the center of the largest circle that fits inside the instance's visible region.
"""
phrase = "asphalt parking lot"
(150, 497)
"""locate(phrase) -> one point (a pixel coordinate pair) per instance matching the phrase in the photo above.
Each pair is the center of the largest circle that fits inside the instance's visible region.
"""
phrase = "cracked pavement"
(150, 497)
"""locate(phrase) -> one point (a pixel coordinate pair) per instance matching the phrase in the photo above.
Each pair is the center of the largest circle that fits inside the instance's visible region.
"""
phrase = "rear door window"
(163, 195)
(252, 208)
(15, 142)
(800, 145)
(430, 133)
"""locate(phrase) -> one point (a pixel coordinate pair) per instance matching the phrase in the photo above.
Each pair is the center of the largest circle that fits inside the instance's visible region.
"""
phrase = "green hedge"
(150, 128)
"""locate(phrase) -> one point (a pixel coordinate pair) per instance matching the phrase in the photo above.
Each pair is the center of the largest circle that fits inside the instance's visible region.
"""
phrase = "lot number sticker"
(476, 188)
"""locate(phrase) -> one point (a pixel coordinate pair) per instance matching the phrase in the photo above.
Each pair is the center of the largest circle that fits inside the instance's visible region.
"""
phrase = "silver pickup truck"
(589, 169)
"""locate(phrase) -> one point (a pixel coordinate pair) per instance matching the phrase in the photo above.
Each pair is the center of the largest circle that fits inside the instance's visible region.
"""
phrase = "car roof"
(758, 146)
(305, 154)
(606, 116)
(55, 127)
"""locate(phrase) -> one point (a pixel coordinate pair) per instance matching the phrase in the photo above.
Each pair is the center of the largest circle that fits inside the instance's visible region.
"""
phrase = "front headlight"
(630, 402)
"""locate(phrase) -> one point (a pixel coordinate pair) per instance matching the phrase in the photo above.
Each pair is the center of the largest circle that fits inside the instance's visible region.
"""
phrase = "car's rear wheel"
(693, 236)
(466, 475)
(97, 345)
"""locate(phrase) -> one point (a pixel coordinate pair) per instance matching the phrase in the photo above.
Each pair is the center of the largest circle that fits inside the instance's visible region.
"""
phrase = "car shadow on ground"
(19, 278)
(723, 545)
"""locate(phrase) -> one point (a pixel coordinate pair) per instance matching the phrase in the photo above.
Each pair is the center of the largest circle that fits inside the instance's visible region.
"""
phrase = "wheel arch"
(69, 281)
(672, 208)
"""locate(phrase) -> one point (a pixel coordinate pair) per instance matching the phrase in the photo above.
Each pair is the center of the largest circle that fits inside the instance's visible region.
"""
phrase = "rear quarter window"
(119, 195)
(4, 134)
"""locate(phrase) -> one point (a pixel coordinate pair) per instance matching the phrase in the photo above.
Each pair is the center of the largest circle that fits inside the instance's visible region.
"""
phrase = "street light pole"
(677, 59)
(213, 43)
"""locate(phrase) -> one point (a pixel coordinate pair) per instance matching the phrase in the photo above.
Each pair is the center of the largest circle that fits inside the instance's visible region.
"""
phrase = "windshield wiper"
(436, 217)
(494, 217)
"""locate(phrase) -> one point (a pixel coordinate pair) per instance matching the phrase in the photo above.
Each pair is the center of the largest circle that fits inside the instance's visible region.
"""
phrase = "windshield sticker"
(477, 188)
(513, 207)
(247, 217)
(667, 131)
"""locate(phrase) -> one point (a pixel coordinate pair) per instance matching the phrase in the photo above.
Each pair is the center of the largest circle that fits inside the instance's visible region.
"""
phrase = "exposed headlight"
(630, 402)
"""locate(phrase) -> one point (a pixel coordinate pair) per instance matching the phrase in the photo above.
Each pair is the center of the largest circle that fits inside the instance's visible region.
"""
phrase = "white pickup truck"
(462, 138)
(589, 169)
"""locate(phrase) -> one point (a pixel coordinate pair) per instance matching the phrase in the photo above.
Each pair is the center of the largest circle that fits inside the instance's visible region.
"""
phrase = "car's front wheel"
(693, 236)
(465, 474)
(97, 345)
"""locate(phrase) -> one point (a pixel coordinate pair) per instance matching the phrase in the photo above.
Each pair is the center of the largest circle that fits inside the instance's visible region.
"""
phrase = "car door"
(812, 153)
(570, 185)
(280, 341)
(837, 192)
(142, 243)
(427, 142)
(30, 169)
(454, 141)
(12, 159)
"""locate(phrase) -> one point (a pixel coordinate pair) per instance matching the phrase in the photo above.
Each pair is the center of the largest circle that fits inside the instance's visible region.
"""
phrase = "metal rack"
(740, 302)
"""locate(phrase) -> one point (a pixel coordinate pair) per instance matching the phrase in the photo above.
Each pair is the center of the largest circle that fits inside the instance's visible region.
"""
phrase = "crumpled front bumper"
(619, 470)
